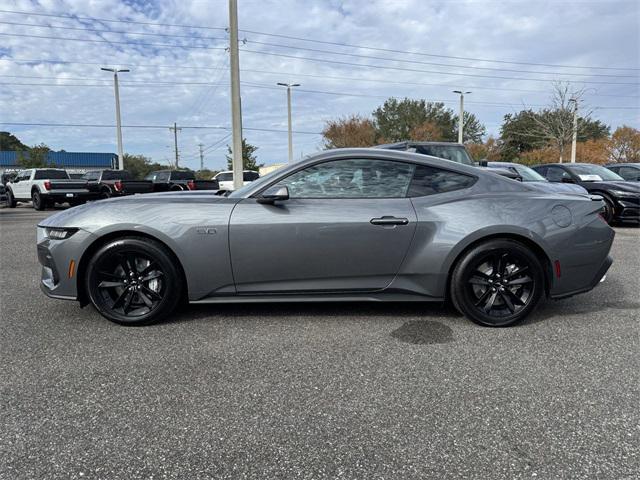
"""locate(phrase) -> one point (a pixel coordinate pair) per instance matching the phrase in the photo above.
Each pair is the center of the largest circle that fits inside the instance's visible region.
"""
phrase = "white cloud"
(566, 33)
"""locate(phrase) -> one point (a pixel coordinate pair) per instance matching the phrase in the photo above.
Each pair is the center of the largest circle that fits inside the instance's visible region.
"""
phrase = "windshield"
(116, 175)
(529, 174)
(182, 175)
(224, 177)
(603, 173)
(455, 153)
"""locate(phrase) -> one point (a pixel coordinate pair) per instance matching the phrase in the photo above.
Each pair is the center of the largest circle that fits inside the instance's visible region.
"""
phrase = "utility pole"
(118, 123)
(200, 145)
(175, 129)
(574, 138)
(289, 86)
(236, 110)
(461, 117)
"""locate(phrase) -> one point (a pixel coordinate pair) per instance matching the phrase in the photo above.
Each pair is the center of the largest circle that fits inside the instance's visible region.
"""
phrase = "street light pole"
(236, 111)
(289, 86)
(574, 137)
(118, 122)
(461, 117)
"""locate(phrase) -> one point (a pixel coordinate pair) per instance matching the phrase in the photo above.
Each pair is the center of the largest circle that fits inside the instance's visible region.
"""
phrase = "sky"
(348, 56)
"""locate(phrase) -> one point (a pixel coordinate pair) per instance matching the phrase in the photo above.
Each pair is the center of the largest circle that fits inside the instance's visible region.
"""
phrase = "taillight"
(558, 271)
(47, 185)
(118, 186)
(191, 185)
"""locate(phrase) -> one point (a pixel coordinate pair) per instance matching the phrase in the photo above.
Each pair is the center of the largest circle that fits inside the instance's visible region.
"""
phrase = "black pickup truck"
(176, 180)
(115, 183)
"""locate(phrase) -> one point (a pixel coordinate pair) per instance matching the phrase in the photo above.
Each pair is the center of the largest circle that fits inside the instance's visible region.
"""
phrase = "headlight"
(624, 194)
(60, 233)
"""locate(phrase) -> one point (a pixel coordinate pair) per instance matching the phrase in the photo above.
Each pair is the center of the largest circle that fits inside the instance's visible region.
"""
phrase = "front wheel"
(133, 281)
(497, 283)
(11, 200)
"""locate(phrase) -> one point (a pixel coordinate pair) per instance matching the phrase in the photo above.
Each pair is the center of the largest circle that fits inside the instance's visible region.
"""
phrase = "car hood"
(557, 187)
(121, 210)
(616, 185)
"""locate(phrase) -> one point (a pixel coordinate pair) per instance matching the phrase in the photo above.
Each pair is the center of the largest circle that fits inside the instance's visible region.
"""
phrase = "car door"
(346, 227)
(22, 186)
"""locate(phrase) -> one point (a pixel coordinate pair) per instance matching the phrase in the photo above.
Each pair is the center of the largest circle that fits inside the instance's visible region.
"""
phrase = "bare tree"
(554, 124)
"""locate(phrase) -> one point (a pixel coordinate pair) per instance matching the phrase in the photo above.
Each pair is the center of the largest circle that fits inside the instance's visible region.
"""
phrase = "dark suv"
(621, 198)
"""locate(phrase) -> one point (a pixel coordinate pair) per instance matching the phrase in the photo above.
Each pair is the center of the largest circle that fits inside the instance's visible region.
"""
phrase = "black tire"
(37, 200)
(609, 210)
(105, 193)
(133, 281)
(497, 283)
(176, 188)
(11, 200)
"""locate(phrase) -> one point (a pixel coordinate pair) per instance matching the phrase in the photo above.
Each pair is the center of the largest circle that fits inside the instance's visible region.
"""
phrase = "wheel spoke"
(516, 299)
(105, 284)
(120, 298)
(148, 268)
(520, 281)
(508, 302)
(483, 297)
(151, 293)
(110, 275)
(127, 302)
(152, 276)
(478, 281)
(517, 272)
(478, 273)
(147, 301)
(492, 299)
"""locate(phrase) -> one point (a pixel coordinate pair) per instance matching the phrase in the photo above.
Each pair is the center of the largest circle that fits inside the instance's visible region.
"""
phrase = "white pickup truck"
(46, 186)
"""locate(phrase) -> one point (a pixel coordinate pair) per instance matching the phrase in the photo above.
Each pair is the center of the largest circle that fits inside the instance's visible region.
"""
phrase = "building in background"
(74, 162)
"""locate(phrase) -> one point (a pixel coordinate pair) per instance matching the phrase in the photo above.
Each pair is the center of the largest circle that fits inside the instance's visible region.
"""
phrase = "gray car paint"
(328, 249)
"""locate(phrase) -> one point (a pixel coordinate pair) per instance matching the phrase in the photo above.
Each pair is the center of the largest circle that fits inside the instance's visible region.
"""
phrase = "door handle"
(389, 220)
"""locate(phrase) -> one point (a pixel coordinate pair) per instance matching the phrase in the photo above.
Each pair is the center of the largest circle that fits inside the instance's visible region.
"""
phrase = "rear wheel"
(497, 283)
(133, 281)
(608, 210)
(37, 200)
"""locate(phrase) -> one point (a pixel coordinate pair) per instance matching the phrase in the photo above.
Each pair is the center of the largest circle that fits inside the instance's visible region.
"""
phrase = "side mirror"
(274, 194)
(567, 180)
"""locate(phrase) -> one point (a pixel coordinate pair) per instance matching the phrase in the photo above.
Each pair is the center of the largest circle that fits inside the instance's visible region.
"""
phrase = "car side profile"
(534, 179)
(621, 198)
(44, 187)
(630, 172)
(343, 225)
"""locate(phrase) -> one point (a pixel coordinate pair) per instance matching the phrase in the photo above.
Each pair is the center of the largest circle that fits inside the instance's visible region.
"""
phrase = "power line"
(385, 67)
(163, 127)
(192, 37)
(132, 44)
(334, 77)
(325, 42)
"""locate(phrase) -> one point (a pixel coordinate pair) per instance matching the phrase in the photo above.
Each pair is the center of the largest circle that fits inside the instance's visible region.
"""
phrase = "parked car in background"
(534, 179)
(454, 152)
(629, 171)
(621, 198)
(46, 186)
(114, 183)
(178, 180)
(343, 225)
(225, 179)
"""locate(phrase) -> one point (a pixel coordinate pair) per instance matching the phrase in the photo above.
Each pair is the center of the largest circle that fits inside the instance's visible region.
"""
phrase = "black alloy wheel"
(608, 210)
(497, 283)
(133, 281)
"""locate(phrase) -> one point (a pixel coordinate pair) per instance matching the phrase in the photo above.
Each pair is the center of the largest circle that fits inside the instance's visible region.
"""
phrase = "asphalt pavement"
(356, 391)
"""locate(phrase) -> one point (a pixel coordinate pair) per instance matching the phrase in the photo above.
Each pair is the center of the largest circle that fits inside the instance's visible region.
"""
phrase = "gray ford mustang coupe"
(343, 225)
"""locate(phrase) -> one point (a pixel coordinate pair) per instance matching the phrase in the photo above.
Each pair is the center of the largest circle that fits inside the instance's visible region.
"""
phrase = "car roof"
(623, 164)
(411, 143)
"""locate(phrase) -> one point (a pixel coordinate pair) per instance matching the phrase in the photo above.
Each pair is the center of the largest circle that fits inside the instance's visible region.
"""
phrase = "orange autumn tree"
(351, 131)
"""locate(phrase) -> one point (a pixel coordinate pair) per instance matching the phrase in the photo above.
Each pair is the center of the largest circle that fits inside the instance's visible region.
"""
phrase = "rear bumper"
(597, 279)
(62, 196)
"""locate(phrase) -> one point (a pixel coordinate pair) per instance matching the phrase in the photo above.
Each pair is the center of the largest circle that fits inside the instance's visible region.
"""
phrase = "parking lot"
(317, 390)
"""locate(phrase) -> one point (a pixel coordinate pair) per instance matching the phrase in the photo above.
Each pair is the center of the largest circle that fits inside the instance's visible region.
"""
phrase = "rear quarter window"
(429, 181)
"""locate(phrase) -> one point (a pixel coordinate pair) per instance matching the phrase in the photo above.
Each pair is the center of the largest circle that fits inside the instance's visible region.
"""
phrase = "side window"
(629, 173)
(556, 174)
(429, 181)
(352, 178)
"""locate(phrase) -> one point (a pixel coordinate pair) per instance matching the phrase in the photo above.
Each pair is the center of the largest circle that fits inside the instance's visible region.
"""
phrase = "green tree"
(249, 160)
(140, 166)
(11, 142)
(472, 129)
(35, 157)
(396, 119)
(517, 134)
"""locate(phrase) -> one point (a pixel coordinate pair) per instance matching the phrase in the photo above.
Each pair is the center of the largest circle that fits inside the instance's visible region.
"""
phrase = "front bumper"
(627, 209)
(60, 260)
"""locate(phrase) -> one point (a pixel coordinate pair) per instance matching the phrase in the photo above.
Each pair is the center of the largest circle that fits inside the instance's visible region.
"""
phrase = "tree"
(516, 134)
(472, 129)
(35, 157)
(351, 131)
(490, 150)
(206, 174)
(248, 157)
(396, 119)
(427, 132)
(624, 145)
(11, 142)
(140, 166)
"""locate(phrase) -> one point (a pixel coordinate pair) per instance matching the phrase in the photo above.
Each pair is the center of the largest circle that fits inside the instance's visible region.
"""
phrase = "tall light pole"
(200, 145)
(236, 111)
(118, 123)
(461, 117)
(289, 86)
(175, 130)
(574, 137)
